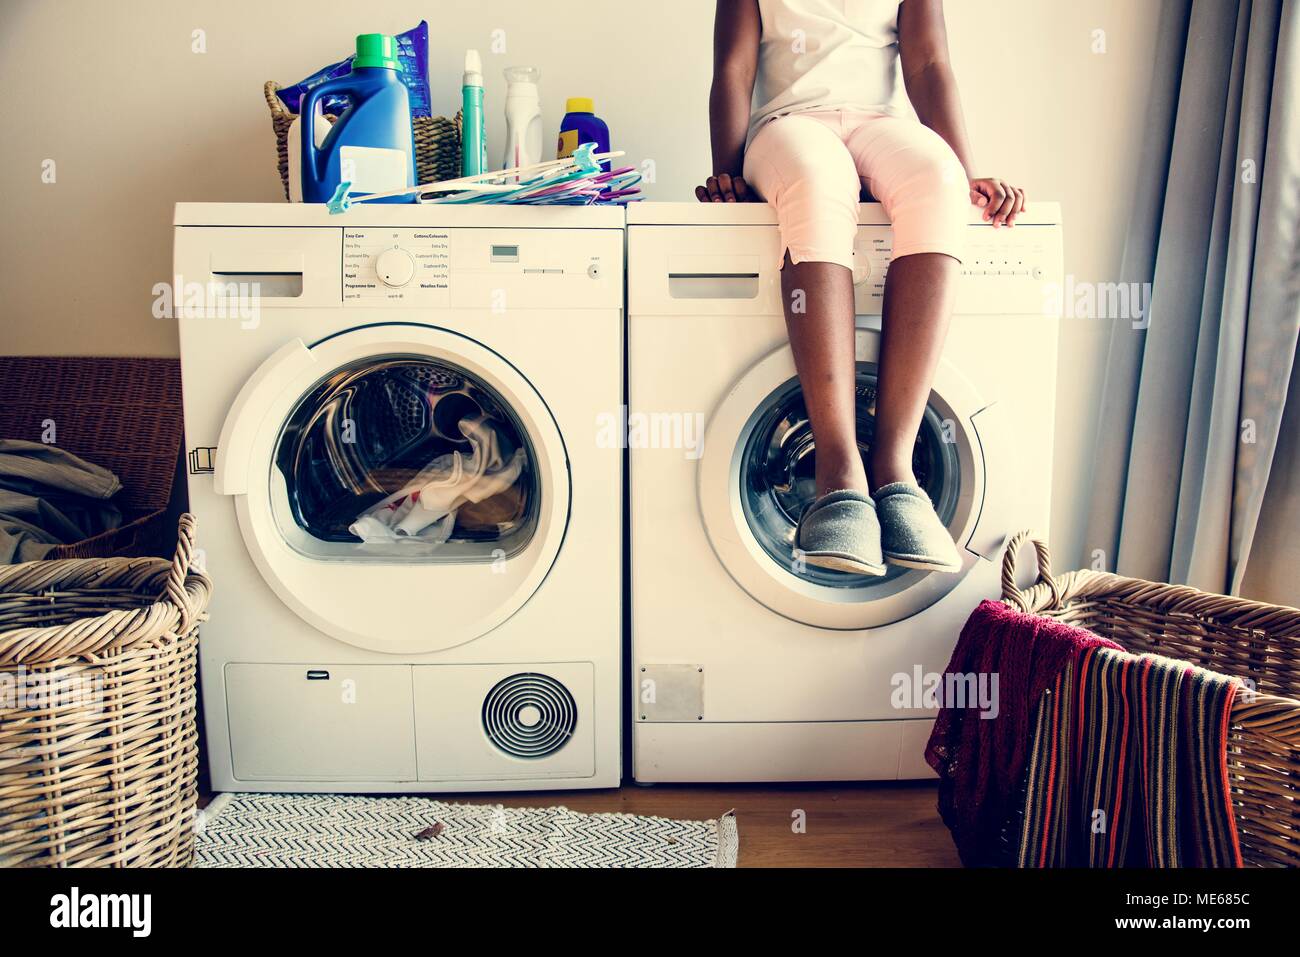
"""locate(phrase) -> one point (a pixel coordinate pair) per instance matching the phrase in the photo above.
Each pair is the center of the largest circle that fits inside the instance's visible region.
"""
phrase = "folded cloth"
(1129, 767)
(425, 509)
(50, 497)
(981, 761)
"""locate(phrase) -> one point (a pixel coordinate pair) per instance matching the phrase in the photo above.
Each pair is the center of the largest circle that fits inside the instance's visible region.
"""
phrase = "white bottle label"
(371, 169)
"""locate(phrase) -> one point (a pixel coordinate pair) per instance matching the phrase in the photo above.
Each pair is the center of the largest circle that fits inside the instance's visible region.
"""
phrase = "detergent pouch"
(412, 58)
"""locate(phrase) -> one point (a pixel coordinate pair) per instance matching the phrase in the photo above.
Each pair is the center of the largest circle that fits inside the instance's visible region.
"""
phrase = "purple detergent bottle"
(581, 125)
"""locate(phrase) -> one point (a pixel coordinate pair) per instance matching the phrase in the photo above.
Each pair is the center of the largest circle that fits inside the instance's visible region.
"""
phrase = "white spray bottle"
(523, 117)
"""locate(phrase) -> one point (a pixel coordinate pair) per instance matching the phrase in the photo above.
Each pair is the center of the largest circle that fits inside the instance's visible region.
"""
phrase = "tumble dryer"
(414, 534)
(747, 663)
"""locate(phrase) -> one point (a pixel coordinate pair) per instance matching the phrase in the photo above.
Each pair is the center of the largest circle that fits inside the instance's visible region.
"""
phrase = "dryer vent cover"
(529, 715)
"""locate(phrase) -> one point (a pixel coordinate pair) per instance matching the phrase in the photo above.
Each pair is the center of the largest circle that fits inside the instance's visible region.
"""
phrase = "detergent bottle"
(581, 125)
(371, 144)
(523, 118)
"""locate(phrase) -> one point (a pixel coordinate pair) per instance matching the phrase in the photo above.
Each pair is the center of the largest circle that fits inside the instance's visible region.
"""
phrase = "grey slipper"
(911, 534)
(840, 531)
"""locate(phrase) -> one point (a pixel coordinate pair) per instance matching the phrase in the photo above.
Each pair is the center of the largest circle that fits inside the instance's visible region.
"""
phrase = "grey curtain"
(1196, 392)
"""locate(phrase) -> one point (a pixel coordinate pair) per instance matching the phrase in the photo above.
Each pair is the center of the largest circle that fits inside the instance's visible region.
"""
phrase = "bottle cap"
(376, 49)
(579, 104)
(473, 66)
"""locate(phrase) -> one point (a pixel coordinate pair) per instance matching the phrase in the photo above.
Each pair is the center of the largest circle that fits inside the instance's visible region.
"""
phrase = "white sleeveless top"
(826, 55)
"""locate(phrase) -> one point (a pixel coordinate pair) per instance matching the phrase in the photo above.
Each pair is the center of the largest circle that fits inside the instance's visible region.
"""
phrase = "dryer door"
(401, 487)
(756, 476)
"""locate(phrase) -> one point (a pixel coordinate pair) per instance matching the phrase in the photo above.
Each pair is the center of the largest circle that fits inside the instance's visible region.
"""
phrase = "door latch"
(203, 460)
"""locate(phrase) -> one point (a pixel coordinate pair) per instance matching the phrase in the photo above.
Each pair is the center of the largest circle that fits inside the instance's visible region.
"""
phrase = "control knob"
(395, 267)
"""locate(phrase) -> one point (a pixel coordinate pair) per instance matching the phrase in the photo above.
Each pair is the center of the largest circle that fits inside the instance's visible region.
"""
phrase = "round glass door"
(777, 479)
(400, 487)
(756, 478)
(397, 458)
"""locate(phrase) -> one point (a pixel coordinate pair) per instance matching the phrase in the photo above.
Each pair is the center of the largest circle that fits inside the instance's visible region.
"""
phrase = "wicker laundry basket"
(437, 141)
(123, 413)
(1248, 639)
(98, 747)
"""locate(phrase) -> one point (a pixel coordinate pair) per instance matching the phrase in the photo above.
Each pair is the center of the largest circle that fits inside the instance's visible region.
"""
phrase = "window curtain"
(1196, 461)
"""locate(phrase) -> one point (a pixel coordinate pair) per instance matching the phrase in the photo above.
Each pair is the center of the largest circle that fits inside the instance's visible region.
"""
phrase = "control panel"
(1002, 270)
(492, 269)
(410, 266)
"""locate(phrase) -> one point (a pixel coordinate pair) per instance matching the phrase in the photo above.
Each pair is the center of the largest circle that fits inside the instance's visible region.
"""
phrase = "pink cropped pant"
(811, 167)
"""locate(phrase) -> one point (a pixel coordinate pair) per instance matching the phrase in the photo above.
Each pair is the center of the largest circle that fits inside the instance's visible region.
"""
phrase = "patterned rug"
(332, 830)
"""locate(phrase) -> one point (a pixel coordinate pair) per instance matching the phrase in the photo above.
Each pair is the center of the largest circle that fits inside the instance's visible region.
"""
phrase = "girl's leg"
(821, 339)
(918, 305)
(801, 166)
(923, 188)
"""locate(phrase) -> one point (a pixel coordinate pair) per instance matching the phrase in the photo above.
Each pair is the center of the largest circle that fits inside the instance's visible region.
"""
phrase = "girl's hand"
(1001, 201)
(725, 188)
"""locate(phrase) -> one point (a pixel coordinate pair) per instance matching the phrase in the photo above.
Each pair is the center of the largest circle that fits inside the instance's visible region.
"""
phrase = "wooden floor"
(841, 825)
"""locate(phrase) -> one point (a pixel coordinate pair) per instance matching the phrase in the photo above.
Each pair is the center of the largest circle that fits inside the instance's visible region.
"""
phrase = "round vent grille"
(529, 715)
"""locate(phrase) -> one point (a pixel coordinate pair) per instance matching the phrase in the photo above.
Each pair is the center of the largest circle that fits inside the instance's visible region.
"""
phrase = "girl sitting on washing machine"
(827, 122)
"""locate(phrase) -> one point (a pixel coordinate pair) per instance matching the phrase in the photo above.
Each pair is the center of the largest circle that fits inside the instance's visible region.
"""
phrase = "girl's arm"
(932, 88)
(737, 29)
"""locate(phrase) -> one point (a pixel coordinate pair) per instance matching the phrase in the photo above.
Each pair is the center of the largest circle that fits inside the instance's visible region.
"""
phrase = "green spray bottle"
(473, 144)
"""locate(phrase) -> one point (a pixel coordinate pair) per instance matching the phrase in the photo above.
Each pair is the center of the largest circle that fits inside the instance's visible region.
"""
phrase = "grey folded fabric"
(49, 497)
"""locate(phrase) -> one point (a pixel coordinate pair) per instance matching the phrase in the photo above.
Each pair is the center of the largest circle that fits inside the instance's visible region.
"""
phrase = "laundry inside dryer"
(407, 456)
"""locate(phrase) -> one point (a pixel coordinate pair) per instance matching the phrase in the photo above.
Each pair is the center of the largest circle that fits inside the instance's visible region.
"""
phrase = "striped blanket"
(981, 758)
(1128, 767)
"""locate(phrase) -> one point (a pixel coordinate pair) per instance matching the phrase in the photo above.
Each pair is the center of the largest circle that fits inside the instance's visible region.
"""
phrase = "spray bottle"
(473, 144)
(523, 117)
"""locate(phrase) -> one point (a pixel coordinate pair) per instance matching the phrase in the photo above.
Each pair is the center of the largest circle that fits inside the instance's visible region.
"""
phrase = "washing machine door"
(756, 476)
(401, 487)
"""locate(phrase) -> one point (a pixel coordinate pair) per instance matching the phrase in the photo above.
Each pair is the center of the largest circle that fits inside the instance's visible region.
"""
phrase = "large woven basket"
(123, 413)
(437, 141)
(1247, 639)
(101, 770)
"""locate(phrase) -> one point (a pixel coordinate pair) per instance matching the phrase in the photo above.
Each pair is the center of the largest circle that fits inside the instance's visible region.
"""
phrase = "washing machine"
(749, 664)
(406, 362)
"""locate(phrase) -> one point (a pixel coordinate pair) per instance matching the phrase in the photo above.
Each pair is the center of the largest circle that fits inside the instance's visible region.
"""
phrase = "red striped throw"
(1128, 767)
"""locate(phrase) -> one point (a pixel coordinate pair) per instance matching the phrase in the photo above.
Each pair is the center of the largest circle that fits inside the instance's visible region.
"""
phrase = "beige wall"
(135, 121)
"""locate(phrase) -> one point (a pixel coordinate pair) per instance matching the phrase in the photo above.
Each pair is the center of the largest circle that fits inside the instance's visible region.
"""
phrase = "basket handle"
(278, 109)
(181, 563)
(1009, 590)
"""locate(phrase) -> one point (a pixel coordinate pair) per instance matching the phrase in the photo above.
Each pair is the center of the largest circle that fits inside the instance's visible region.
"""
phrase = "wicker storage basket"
(121, 413)
(101, 770)
(1248, 639)
(437, 141)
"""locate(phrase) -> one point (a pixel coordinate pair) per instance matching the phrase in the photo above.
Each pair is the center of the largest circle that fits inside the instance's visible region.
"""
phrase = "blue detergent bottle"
(371, 144)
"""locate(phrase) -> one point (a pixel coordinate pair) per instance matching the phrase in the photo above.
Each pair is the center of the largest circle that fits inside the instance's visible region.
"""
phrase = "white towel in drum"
(425, 509)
